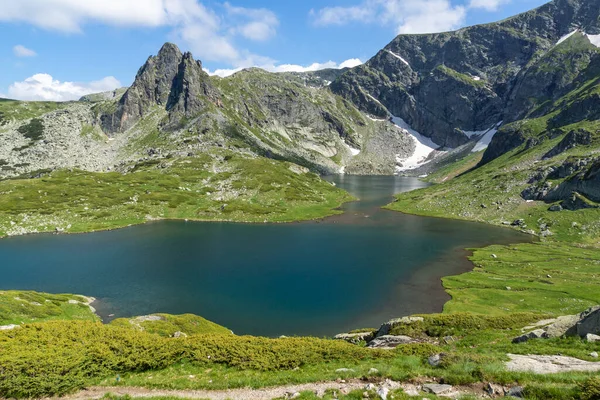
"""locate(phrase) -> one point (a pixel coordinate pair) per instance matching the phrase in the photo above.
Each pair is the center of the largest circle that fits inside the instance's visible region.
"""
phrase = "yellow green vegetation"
(558, 275)
(19, 307)
(14, 111)
(167, 325)
(221, 187)
(57, 357)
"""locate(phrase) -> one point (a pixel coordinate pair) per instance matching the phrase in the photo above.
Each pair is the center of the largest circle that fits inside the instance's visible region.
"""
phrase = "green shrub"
(590, 389)
(548, 392)
(422, 350)
(34, 130)
(58, 357)
(439, 325)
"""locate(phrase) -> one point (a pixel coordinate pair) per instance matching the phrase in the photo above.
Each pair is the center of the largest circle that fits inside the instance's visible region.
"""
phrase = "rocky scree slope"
(175, 109)
(446, 85)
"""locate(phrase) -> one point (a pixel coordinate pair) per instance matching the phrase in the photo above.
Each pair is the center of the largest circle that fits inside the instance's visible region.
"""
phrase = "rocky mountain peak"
(448, 84)
(170, 79)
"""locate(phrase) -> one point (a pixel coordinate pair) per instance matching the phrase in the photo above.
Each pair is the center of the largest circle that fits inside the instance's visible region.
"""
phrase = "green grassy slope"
(221, 187)
(18, 307)
(559, 275)
(12, 110)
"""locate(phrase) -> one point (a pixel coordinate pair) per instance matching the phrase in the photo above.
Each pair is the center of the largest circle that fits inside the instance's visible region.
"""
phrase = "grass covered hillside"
(223, 186)
(538, 176)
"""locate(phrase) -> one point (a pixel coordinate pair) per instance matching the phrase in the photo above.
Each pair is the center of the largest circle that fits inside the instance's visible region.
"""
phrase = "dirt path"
(234, 394)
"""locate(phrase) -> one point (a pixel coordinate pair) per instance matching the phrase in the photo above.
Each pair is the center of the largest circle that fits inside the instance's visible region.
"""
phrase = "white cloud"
(201, 29)
(351, 63)
(45, 87)
(257, 24)
(22, 51)
(291, 67)
(488, 5)
(406, 16)
(343, 15)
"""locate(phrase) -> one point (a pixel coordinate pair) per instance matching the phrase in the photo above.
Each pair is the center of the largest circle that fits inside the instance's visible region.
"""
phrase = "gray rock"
(589, 322)
(592, 338)
(179, 334)
(515, 391)
(373, 371)
(594, 354)
(383, 392)
(563, 326)
(536, 334)
(8, 327)
(385, 328)
(435, 360)
(389, 342)
(549, 364)
(494, 389)
(345, 370)
(555, 208)
(355, 338)
(437, 389)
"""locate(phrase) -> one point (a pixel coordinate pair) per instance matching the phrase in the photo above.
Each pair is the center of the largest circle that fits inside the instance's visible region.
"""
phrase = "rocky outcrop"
(581, 189)
(549, 364)
(444, 84)
(389, 342)
(170, 80)
(582, 325)
(589, 322)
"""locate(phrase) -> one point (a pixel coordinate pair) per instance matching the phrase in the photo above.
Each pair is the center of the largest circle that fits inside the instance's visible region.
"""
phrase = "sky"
(60, 50)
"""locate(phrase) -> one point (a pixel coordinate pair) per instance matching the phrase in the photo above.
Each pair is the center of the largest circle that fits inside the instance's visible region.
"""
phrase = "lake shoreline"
(405, 256)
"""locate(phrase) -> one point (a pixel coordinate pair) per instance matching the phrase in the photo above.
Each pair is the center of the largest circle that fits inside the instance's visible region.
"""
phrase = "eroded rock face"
(589, 322)
(585, 325)
(475, 77)
(170, 80)
(389, 342)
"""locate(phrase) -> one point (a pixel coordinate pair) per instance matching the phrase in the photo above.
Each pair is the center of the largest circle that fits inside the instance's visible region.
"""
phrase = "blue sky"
(60, 49)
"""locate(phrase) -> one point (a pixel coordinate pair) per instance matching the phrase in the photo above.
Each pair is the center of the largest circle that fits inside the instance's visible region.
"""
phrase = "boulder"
(387, 327)
(494, 389)
(439, 389)
(389, 342)
(589, 322)
(516, 391)
(355, 338)
(592, 338)
(537, 334)
(563, 326)
(436, 360)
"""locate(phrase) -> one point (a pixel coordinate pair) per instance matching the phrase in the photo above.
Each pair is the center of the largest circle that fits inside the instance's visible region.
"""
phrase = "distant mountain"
(446, 84)
(420, 103)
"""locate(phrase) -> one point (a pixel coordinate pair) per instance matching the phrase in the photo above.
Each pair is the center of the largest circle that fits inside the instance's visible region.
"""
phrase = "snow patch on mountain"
(484, 142)
(399, 57)
(424, 147)
(595, 39)
(565, 37)
(353, 151)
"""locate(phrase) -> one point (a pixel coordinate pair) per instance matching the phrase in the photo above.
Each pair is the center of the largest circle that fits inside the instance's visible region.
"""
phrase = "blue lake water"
(317, 278)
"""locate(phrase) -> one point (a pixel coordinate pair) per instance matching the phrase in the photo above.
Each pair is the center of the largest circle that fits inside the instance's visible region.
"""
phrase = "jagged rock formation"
(175, 109)
(538, 72)
(171, 80)
(447, 83)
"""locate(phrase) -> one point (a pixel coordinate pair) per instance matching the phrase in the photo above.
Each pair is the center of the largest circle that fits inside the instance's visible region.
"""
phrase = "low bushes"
(439, 325)
(58, 357)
